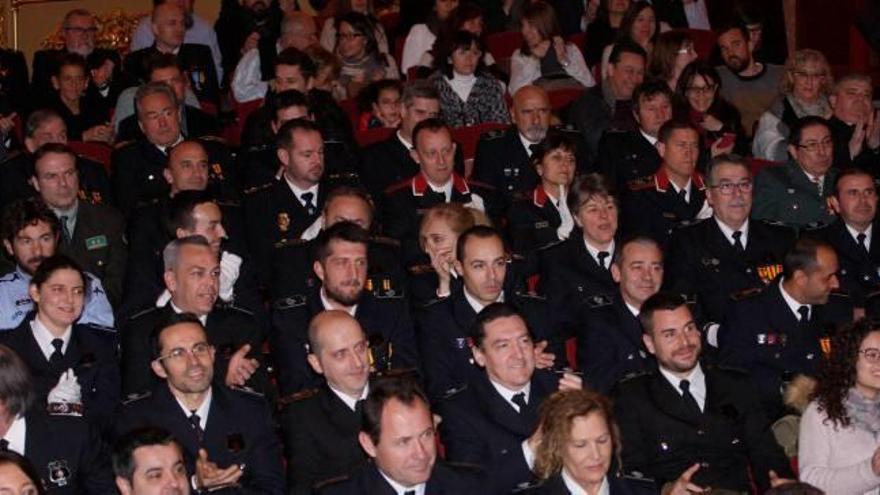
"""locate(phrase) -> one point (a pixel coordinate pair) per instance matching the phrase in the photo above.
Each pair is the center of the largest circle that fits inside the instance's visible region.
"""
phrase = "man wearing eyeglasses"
(192, 277)
(796, 194)
(727, 253)
(79, 31)
(227, 435)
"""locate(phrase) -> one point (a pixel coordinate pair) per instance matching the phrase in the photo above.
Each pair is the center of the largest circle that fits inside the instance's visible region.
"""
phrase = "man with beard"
(43, 127)
(691, 426)
(341, 266)
(31, 234)
(751, 86)
(192, 278)
(729, 252)
(852, 234)
(149, 459)
(776, 333)
(502, 159)
(227, 435)
(246, 24)
(168, 26)
(609, 336)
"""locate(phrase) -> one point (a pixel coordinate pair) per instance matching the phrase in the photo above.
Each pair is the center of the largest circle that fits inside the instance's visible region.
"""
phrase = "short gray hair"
(153, 88)
(171, 253)
(419, 89)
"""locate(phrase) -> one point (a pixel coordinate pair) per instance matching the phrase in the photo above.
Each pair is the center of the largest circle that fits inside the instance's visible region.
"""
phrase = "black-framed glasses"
(198, 350)
(727, 188)
(703, 89)
(813, 146)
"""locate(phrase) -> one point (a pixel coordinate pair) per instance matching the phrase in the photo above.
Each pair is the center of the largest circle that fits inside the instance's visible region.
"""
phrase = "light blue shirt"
(15, 303)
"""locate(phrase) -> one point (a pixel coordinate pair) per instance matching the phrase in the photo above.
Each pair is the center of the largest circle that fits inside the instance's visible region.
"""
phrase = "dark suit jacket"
(858, 269)
(626, 156)
(194, 122)
(480, 427)
(383, 319)
(592, 115)
(762, 334)
(18, 168)
(91, 353)
(654, 209)
(503, 162)
(702, 262)
(239, 430)
(609, 343)
(444, 480)
(197, 62)
(661, 437)
(785, 194)
(99, 246)
(320, 439)
(67, 453)
(533, 221)
(228, 328)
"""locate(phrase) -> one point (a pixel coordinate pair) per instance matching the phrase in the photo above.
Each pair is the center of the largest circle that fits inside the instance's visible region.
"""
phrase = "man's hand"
(209, 476)
(102, 133)
(857, 140)
(775, 480)
(570, 381)
(543, 360)
(7, 123)
(872, 131)
(683, 485)
(241, 367)
(250, 43)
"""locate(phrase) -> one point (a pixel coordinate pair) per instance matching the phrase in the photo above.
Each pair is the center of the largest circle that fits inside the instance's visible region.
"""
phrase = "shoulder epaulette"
(283, 243)
(731, 369)
(634, 375)
(147, 202)
(746, 293)
(231, 306)
(99, 328)
(494, 134)
(452, 392)
(640, 184)
(388, 241)
(9, 277)
(566, 128)
(317, 487)
(254, 189)
(142, 312)
(12, 156)
(483, 185)
(398, 186)
(290, 302)
(123, 144)
(214, 139)
(134, 397)
(839, 293)
(436, 300)
(530, 296)
(599, 300)
(300, 396)
(421, 269)
(246, 391)
(343, 176)
(772, 222)
(551, 245)
(228, 202)
(517, 257)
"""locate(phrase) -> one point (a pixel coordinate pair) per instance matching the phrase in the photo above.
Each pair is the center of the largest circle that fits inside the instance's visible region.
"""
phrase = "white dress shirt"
(792, 303)
(855, 234)
(594, 252)
(350, 401)
(44, 337)
(697, 384)
(202, 411)
(728, 232)
(17, 434)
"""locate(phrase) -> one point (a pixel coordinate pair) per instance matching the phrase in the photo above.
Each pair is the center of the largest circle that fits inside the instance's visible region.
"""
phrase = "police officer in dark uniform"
(609, 338)
(397, 408)
(777, 333)
(78, 464)
(626, 156)
(138, 167)
(577, 270)
(341, 264)
(281, 210)
(542, 217)
(321, 425)
(405, 202)
(445, 324)
(63, 355)
(292, 261)
(390, 161)
(41, 127)
(728, 253)
(852, 235)
(675, 194)
(232, 331)
(486, 422)
(196, 59)
(503, 158)
(686, 414)
(234, 427)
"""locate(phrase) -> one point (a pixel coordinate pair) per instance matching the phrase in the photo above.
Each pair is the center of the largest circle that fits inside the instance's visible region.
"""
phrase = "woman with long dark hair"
(357, 48)
(699, 100)
(838, 450)
(641, 25)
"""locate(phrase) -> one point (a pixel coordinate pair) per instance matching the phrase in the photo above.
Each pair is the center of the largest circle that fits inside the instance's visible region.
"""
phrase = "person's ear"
(55, 83)
(649, 343)
(661, 149)
(319, 269)
(479, 357)
(123, 485)
(9, 250)
(615, 273)
(158, 369)
(170, 282)
(367, 444)
(315, 363)
(834, 204)
(34, 293)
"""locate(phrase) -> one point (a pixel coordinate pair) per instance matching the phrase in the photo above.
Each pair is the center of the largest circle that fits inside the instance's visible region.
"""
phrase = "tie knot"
(4, 445)
(861, 237)
(602, 256)
(685, 386)
(58, 344)
(804, 311)
(737, 235)
(520, 400)
(307, 196)
(63, 218)
(683, 193)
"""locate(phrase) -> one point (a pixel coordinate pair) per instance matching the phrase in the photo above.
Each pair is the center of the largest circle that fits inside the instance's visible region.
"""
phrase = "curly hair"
(556, 415)
(838, 372)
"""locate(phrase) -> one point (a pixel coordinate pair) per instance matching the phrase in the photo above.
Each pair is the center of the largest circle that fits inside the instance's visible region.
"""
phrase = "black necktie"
(684, 194)
(4, 445)
(861, 238)
(56, 355)
(602, 255)
(804, 311)
(359, 407)
(307, 198)
(65, 232)
(409, 492)
(196, 423)
(520, 400)
(688, 398)
(737, 241)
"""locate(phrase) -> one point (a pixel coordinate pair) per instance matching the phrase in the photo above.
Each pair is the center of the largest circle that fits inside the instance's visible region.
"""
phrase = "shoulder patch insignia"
(599, 300)
(290, 302)
(134, 397)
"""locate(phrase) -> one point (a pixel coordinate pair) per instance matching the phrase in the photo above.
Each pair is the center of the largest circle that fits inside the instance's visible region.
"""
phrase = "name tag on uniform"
(542, 225)
(96, 242)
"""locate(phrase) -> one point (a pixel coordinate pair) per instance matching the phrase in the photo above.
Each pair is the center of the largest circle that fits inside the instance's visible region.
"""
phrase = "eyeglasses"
(703, 89)
(179, 353)
(810, 75)
(871, 354)
(727, 188)
(349, 36)
(813, 146)
(81, 30)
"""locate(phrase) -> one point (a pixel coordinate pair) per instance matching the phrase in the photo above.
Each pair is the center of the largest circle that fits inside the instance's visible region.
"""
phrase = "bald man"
(503, 156)
(321, 427)
(169, 29)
